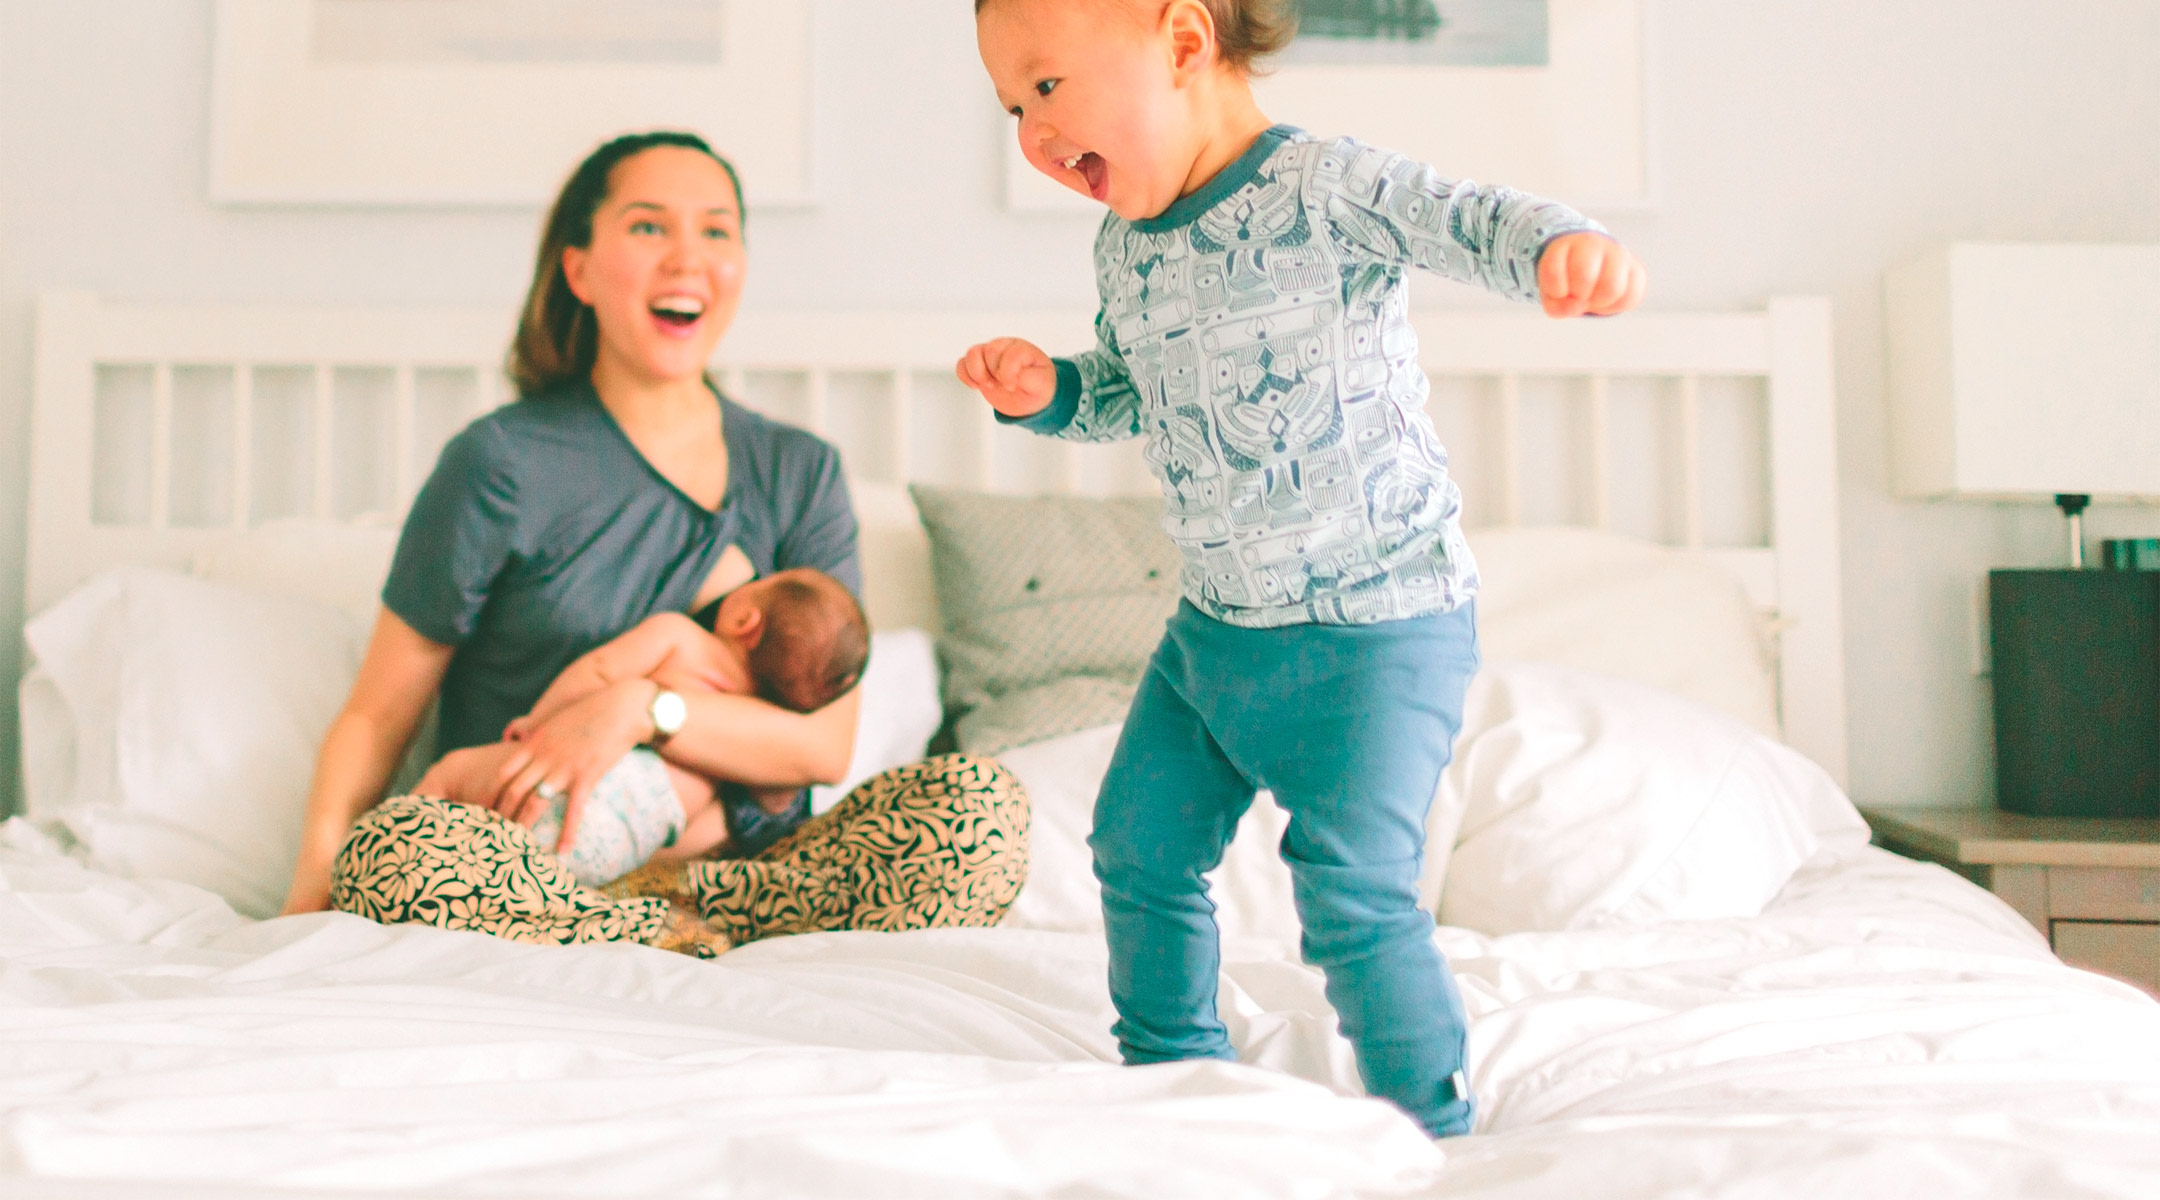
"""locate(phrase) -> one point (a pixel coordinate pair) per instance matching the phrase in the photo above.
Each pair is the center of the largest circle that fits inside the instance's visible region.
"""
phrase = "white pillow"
(1580, 801)
(1577, 801)
(898, 591)
(340, 565)
(195, 711)
(900, 710)
(1626, 608)
(48, 743)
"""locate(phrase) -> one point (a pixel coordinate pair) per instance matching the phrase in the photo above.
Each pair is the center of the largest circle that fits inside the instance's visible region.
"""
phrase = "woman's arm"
(738, 738)
(658, 642)
(746, 740)
(398, 679)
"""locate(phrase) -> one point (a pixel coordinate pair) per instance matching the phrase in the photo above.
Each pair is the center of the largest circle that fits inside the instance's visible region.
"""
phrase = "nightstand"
(2092, 885)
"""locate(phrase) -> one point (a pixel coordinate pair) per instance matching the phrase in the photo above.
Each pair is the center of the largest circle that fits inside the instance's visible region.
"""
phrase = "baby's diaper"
(631, 813)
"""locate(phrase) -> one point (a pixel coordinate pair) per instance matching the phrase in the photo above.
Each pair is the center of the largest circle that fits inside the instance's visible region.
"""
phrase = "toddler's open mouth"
(1093, 170)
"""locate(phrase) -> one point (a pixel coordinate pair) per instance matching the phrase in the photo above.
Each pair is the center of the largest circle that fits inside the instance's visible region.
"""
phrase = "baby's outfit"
(632, 814)
(1257, 334)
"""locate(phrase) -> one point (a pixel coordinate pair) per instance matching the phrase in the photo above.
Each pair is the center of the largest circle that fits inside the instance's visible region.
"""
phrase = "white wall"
(1805, 145)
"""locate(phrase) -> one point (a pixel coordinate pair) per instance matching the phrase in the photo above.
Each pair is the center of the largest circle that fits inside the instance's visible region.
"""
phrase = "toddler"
(1254, 330)
(796, 638)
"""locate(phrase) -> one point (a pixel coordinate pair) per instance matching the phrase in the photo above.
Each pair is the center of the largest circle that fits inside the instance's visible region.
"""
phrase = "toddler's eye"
(1047, 86)
(717, 234)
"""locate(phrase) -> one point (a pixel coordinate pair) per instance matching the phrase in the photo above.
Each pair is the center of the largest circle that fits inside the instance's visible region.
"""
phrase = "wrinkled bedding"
(1884, 1028)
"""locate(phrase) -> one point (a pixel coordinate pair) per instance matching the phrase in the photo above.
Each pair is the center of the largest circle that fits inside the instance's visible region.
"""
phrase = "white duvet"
(1883, 1029)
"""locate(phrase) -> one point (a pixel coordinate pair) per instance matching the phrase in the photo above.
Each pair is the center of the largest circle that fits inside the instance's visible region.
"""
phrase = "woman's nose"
(685, 251)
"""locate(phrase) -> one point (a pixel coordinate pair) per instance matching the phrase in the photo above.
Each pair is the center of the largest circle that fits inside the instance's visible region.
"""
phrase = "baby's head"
(804, 635)
(1118, 99)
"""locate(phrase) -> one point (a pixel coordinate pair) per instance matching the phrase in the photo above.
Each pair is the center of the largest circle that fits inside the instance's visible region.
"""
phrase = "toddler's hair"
(816, 641)
(1246, 31)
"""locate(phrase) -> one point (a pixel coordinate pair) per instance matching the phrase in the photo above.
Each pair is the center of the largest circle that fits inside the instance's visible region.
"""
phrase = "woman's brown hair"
(557, 338)
(1246, 31)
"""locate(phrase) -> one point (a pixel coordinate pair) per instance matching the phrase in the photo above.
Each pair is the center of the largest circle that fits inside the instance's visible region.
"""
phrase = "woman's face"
(664, 273)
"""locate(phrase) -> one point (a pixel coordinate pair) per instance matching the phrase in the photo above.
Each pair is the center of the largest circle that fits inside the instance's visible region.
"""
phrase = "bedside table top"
(1989, 836)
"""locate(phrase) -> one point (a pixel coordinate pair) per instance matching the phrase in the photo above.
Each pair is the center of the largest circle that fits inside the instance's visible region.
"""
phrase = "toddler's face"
(1092, 84)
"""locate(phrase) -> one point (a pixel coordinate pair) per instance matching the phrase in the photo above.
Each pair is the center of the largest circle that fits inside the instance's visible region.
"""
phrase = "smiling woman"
(557, 338)
(619, 486)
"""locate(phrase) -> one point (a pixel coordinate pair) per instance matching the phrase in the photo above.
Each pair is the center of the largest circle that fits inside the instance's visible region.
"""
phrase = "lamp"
(2026, 370)
(2016, 371)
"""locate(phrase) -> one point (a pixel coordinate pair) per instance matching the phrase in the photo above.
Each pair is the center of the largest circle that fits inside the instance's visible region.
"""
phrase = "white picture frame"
(290, 127)
(1576, 129)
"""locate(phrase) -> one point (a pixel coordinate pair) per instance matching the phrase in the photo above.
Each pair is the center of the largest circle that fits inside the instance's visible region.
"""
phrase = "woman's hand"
(469, 776)
(571, 750)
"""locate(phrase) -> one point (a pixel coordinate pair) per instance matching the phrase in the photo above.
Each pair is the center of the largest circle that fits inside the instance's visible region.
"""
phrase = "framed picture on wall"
(491, 102)
(1543, 95)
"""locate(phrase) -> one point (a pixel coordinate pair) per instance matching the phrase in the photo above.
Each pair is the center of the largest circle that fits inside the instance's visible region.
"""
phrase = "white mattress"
(1885, 1029)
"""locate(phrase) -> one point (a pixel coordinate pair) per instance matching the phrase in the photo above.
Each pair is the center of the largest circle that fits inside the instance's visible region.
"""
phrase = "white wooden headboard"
(158, 430)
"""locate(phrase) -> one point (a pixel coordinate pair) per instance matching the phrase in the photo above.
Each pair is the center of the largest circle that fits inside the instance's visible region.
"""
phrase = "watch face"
(668, 711)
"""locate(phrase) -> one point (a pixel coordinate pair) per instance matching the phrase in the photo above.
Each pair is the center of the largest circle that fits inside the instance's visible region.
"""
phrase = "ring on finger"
(548, 791)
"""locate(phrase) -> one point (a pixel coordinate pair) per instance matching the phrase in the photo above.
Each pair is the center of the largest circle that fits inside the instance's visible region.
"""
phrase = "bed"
(1688, 972)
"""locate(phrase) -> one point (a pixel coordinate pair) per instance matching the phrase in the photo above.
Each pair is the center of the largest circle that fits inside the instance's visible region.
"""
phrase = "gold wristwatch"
(668, 712)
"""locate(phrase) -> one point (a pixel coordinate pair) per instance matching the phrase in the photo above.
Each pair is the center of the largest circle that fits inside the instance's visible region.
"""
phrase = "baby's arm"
(1389, 209)
(642, 653)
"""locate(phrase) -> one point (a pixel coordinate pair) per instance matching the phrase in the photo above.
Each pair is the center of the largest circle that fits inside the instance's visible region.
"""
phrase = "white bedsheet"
(1884, 1029)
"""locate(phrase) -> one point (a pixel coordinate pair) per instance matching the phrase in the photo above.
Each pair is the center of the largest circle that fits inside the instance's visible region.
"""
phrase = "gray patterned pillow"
(1038, 592)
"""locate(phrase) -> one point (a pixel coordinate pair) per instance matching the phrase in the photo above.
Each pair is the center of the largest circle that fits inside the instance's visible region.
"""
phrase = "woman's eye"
(1046, 87)
(644, 227)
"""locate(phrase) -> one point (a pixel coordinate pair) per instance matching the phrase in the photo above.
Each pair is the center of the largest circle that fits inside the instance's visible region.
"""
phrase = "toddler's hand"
(1588, 273)
(1012, 374)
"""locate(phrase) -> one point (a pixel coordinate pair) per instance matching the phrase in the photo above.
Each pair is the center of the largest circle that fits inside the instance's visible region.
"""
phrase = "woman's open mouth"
(1093, 171)
(677, 312)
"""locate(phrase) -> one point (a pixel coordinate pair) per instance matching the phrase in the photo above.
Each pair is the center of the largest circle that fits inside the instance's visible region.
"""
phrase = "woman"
(621, 485)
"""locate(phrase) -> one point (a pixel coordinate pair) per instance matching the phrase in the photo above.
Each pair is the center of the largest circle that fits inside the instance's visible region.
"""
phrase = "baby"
(1255, 331)
(796, 638)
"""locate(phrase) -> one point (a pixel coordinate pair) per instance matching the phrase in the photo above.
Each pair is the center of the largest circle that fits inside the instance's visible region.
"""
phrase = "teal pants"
(1349, 727)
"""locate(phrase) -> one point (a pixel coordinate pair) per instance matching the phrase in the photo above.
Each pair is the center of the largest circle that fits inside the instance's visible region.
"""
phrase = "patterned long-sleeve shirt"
(1257, 334)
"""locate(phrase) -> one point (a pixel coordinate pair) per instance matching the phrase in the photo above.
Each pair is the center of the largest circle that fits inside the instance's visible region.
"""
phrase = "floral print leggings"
(938, 843)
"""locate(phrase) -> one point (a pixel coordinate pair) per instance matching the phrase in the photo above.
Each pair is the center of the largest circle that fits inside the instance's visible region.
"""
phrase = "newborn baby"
(796, 638)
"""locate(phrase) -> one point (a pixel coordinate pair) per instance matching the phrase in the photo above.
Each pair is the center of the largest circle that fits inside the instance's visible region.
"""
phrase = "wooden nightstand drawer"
(2129, 952)
(2092, 886)
(2103, 894)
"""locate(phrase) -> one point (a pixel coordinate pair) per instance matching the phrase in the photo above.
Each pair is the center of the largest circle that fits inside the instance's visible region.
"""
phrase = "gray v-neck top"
(543, 533)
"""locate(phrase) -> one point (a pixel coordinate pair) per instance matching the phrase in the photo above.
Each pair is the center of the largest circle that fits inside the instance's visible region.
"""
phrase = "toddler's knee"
(1345, 909)
(1130, 860)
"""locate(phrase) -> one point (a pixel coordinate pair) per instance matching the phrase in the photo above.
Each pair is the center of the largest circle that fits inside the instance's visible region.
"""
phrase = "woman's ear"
(574, 259)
